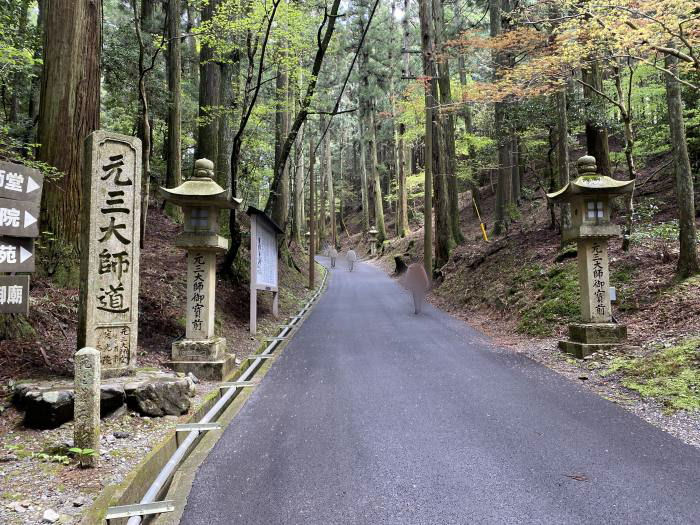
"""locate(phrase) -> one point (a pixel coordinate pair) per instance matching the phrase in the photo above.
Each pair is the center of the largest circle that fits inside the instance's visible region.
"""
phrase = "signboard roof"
(268, 222)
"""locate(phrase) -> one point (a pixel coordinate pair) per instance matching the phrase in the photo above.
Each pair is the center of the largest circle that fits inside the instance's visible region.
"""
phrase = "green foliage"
(82, 454)
(557, 301)
(664, 231)
(45, 457)
(671, 376)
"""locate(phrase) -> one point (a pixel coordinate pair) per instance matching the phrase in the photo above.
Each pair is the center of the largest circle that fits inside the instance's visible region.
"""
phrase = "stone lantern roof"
(591, 183)
(373, 231)
(201, 189)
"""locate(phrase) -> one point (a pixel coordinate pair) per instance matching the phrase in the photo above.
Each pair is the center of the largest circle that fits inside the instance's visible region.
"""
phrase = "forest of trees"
(395, 107)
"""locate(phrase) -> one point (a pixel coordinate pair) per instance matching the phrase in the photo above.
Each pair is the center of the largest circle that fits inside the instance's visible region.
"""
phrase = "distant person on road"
(351, 257)
(333, 255)
(416, 282)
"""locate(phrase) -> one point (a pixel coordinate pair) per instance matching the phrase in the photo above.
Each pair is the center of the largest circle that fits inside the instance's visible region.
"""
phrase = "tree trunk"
(596, 133)
(378, 203)
(553, 183)
(31, 135)
(209, 79)
(190, 40)
(467, 111)
(19, 78)
(69, 108)
(280, 208)
(312, 212)
(629, 156)
(448, 126)
(144, 122)
(299, 223)
(404, 167)
(688, 263)
(515, 168)
(563, 154)
(363, 178)
(229, 76)
(500, 131)
(395, 150)
(428, 50)
(323, 175)
(331, 195)
(173, 175)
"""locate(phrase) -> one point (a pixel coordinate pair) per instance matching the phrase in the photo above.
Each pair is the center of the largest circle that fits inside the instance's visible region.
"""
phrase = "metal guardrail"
(148, 501)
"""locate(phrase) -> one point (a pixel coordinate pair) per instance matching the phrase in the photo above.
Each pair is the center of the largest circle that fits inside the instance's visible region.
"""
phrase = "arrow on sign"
(24, 254)
(31, 185)
(19, 219)
(29, 219)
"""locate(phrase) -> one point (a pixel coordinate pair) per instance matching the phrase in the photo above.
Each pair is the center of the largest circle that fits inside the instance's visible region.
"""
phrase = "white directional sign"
(20, 183)
(16, 254)
(19, 219)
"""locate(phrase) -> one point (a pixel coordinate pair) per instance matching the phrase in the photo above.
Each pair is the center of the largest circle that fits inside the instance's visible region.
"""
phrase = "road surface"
(373, 415)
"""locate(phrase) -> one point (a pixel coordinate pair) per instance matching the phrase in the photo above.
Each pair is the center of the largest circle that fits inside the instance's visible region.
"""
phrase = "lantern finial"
(586, 165)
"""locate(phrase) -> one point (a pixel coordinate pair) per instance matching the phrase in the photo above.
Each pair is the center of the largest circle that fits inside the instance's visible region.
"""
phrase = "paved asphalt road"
(375, 415)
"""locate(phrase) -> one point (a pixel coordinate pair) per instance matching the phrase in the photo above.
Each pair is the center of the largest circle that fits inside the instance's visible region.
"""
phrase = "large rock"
(162, 397)
(51, 406)
(47, 408)
(112, 397)
(150, 393)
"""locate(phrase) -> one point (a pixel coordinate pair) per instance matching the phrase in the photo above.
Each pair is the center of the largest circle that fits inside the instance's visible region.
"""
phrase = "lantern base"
(213, 349)
(588, 338)
(206, 370)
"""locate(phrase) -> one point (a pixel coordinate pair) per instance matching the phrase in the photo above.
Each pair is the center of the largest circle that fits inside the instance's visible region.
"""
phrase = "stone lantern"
(373, 241)
(201, 199)
(307, 236)
(590, 195)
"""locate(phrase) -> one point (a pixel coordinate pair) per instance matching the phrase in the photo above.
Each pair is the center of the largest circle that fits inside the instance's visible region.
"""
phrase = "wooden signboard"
(20, 195)
(16, 254)
(263, 262)
(19, 219)
(20, 183)
(14, 294)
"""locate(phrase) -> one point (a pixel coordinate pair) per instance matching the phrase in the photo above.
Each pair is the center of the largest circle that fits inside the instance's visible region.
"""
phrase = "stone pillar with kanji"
(109, 267)
(201, 351)
(591, 227)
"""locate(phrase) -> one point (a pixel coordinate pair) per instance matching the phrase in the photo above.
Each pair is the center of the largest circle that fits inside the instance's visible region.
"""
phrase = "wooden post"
(253, 275)
(312, 216)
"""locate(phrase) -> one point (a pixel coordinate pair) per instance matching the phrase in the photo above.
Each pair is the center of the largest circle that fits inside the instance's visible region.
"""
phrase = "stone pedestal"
(587, 338)
(205, 358)
(215, 370)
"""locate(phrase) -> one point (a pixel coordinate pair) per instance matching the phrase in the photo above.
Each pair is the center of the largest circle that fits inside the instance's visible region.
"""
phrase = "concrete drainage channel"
(181, 447)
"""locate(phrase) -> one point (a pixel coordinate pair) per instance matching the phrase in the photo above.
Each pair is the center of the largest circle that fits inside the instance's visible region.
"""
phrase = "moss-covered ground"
(671, 375)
